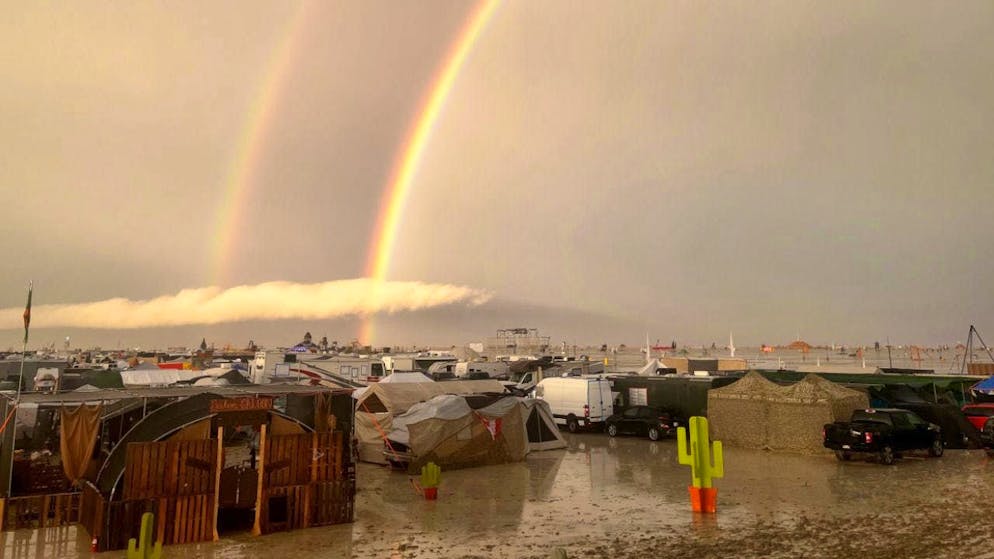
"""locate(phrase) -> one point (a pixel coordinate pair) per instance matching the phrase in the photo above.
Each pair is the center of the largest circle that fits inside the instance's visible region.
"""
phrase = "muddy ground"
(627, 497)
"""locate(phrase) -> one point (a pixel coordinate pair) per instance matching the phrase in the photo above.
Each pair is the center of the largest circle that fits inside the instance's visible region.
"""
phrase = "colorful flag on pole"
(27, 312)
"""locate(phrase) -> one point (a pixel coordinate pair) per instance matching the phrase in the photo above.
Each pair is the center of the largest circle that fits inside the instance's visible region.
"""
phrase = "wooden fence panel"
(189, 519)
(327, 456)
(332, 503)
(42, 511)
(123, 521)
(288, 460)
(169, 469)
(305, 483)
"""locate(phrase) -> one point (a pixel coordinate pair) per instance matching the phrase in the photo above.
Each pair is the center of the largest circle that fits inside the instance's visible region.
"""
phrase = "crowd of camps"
(267, 440)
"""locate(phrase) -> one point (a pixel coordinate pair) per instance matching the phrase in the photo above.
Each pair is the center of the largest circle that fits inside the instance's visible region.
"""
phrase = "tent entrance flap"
(538, 430)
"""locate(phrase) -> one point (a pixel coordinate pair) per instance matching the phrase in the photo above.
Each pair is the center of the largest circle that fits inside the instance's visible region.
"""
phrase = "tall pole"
(24, 347)
(17, 401)
(967, 350)
(20, 375)
(890, 361)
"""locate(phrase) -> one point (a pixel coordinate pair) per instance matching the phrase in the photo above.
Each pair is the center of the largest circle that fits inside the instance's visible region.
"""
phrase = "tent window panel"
(638, 396)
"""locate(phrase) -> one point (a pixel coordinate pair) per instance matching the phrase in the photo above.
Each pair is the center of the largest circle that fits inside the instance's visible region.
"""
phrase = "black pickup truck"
(884, 432)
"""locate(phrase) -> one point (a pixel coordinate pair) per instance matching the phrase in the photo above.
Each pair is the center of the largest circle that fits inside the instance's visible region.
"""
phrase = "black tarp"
(957, 431)
(709, 365)
(682, 396)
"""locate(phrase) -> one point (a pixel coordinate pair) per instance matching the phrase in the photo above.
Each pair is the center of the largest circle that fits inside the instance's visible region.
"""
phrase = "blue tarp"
(986, 385)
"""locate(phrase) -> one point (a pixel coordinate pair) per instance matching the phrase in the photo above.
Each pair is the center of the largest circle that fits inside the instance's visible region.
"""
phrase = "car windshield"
(870, 417)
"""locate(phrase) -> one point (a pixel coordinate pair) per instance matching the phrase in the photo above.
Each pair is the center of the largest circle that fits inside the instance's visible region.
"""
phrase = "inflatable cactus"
(431, 474)
(143, 549)
(699, 455)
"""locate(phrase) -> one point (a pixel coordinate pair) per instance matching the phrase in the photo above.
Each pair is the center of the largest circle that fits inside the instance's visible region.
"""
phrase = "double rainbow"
(248, 153)
(245, 164)
(396, 194)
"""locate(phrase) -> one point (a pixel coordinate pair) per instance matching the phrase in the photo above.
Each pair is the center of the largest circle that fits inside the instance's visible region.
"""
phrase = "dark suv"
(642, 420)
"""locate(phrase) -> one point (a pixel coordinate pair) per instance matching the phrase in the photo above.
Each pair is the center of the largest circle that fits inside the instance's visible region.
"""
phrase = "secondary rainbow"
(399, 186)
(251, 145)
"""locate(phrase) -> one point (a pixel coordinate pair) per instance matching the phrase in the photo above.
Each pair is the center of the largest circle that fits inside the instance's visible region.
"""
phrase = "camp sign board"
(241, 404)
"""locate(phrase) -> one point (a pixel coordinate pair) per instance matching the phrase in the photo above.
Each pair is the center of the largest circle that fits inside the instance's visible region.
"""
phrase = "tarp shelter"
(756, 413)
(650, 369)
(684, 365)
(459, 431)
(394, 377)
(984, 389)
(957, 431)
(380, 402)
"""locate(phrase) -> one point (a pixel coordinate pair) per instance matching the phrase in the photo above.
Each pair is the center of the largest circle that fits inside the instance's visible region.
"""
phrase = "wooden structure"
(303, 483)
(173, 463)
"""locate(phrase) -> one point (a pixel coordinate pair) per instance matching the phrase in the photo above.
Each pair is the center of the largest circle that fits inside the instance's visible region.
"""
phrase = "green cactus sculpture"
(698, 457)
(431, 474)
(143, 549)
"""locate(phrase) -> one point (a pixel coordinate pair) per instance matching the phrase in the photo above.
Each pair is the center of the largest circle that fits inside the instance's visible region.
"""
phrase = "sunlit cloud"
(266, 301)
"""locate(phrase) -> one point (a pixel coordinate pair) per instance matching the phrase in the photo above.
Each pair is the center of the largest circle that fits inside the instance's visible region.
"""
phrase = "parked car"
(981, 415)
(642, 420)
(884, 432)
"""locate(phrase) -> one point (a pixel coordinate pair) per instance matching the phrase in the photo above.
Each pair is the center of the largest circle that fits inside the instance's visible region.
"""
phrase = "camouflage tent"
(756, 413)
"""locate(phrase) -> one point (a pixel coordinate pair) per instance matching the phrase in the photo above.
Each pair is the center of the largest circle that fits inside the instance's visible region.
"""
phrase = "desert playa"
(627, 497)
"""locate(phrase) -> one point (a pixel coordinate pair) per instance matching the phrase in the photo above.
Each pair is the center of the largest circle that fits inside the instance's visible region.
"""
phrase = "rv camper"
(279, 366)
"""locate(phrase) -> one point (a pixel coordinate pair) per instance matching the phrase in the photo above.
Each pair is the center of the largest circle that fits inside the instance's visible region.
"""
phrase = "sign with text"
(241, 404)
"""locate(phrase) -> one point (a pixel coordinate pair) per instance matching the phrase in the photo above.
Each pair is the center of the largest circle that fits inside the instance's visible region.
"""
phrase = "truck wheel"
(936, 448)
(572, 424)
(612, 430)
(887, 455)
(843, 455)
(653, 434)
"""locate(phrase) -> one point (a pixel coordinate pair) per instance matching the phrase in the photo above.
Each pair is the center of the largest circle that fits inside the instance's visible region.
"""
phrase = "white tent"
(650, 368)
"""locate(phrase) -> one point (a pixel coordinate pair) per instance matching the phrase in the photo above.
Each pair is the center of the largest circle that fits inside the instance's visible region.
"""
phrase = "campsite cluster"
(292, 439)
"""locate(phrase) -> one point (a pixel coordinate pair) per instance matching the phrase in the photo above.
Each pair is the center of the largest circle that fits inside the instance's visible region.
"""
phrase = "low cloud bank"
(266, 301)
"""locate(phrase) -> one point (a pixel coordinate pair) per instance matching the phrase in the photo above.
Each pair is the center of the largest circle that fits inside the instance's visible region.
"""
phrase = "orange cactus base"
(703, 499)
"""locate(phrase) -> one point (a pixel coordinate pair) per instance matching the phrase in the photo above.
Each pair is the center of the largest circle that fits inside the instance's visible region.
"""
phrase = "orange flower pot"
(703, 499)
(709, 499)
(695, 498)
(431, 493)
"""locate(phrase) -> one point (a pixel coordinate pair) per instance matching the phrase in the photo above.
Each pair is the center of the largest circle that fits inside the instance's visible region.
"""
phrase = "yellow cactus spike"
(431, 475)
(698, 455)
(143, 548)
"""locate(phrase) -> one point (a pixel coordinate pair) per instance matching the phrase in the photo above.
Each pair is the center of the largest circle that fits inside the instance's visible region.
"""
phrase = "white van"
(577, 401)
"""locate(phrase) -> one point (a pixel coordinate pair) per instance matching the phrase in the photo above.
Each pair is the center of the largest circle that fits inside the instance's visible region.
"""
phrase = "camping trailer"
(483, 369)
(577, 401)
(281, 366)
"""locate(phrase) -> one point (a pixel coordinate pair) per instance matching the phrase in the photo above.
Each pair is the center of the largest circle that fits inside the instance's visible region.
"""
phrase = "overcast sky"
(599, 171)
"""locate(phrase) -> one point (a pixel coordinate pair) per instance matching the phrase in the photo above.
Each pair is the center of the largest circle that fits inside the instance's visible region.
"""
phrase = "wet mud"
(627, 497)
